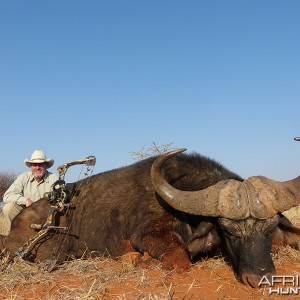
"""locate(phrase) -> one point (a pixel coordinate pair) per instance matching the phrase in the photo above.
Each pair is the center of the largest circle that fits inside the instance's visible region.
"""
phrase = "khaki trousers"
(9, 211)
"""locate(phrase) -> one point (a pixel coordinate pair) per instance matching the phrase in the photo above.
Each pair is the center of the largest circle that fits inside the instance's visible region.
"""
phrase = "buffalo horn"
(224, 199)
(257, 196)
(268, 197)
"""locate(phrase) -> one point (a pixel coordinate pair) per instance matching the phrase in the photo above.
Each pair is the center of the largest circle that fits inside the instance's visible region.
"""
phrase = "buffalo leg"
(160, 241)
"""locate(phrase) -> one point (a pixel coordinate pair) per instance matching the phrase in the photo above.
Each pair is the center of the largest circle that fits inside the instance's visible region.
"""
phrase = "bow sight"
(62, 192)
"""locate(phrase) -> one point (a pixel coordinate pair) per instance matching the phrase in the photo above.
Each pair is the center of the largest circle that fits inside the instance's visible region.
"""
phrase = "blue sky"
(106, 78)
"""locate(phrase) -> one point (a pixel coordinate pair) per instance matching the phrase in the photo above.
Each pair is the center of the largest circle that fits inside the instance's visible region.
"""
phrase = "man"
(27, 188)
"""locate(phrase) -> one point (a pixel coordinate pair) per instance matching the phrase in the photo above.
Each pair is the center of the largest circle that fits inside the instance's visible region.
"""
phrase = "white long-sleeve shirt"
(25, 186)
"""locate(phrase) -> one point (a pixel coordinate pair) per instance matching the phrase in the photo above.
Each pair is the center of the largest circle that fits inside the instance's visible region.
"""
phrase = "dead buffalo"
(175, 207)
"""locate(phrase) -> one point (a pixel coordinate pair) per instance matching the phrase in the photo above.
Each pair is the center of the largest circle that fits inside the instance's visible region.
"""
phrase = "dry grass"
(77, 279)
(286, 254)
(103, 278)
(212, 263)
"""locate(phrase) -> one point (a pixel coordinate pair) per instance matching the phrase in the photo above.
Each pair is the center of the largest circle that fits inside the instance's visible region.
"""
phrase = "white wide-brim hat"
(38, 157)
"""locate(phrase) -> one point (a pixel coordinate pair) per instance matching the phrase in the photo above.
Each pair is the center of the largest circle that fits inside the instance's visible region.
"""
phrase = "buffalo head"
(247, 211)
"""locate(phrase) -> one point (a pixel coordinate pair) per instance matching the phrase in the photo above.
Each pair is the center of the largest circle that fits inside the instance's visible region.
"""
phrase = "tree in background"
(151, 151)
(6, 179)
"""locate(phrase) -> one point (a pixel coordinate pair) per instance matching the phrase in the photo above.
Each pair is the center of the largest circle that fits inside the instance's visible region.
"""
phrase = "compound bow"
(59, 198)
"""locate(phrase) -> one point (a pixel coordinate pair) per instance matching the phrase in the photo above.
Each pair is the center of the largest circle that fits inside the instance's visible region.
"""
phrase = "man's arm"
(15, 191)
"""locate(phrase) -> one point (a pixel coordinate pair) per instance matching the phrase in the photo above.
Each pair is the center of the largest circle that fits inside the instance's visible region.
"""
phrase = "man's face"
(38, 170)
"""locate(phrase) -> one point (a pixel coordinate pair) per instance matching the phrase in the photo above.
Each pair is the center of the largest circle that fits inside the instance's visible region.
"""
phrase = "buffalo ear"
(286, 234)
(205, 244)
(286, 225)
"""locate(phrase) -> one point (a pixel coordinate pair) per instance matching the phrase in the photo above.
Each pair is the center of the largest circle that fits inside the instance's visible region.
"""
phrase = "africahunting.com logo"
(281, 284)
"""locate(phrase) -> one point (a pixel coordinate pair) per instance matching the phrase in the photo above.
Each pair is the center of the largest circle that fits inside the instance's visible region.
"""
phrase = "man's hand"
(28, 202)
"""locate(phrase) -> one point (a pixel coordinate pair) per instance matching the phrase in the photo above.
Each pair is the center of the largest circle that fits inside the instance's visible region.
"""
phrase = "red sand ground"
(147, 281)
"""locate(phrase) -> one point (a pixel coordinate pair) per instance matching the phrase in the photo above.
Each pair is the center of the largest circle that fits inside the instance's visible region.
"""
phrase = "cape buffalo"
(175, 207)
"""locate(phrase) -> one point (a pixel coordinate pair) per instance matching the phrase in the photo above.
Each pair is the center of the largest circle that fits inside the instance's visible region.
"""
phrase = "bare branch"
(150, 151)
(6, 179)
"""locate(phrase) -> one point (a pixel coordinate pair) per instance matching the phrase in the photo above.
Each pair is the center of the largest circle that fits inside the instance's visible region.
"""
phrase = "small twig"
(90, 290)
(190, 287)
